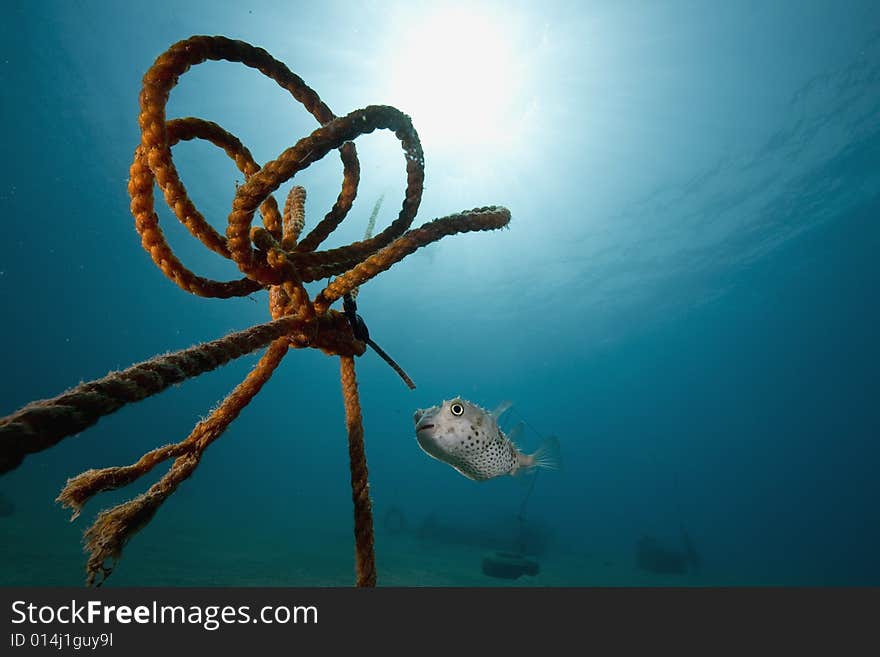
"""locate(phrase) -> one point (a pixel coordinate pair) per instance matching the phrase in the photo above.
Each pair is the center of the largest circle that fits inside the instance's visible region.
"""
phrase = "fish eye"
(457, 409)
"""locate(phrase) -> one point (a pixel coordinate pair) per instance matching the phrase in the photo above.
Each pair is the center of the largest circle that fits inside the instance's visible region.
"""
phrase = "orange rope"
(477, 219)
(271, 257)
(365, 560)
(41, 424)
(114, 527)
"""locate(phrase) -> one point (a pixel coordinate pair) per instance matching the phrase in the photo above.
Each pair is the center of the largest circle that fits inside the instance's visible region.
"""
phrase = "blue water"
(686, 296)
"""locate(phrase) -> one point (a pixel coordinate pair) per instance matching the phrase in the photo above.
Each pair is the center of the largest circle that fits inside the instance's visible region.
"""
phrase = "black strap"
(361, 332)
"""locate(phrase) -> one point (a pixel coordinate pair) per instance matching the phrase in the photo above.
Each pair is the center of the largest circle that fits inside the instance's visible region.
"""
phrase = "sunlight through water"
(460, 76)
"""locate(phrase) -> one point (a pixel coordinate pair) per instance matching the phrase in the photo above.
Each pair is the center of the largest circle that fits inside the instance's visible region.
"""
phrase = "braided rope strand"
(112, 529)
(365, 559)
(41, 424)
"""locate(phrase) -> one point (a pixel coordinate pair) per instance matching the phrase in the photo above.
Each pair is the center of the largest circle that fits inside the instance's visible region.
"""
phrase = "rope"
(273, 257)
(477, 219)
(42, 424)
(365, 561)
(113, 528)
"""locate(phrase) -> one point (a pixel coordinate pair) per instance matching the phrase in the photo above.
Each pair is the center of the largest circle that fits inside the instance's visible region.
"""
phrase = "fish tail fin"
(547, 456)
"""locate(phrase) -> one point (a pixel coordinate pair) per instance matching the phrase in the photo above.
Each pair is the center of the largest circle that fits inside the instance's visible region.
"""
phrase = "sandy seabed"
(40, 554)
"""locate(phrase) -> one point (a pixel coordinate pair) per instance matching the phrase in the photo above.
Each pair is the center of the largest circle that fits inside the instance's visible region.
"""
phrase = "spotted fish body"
(468, 438)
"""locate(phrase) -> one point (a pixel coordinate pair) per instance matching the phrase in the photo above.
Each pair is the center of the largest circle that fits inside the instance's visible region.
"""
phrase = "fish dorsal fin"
(501, 409)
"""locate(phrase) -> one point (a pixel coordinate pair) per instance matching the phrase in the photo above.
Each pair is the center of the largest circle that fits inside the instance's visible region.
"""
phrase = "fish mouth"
(423, 427)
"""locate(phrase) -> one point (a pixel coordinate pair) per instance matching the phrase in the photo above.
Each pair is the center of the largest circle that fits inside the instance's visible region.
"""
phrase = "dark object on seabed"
(509, 565)
(7, 508)
(653, 557)
(501, 533)
(693, 557)
(395, 522)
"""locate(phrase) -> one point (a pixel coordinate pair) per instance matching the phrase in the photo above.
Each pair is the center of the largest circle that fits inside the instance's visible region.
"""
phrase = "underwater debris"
(692, 555)
(504, 532)
(654, 557)
(271, 257)
(509, 565)
(395, 522)
(7, 506)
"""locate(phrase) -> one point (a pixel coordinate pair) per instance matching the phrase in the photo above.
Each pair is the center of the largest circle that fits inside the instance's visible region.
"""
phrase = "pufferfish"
(468, 438)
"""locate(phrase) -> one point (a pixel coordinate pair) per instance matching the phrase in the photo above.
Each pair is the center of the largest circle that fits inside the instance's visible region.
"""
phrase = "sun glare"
(458, 75)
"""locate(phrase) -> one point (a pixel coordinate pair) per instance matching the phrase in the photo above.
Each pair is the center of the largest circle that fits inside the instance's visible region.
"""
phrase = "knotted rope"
(271, 257)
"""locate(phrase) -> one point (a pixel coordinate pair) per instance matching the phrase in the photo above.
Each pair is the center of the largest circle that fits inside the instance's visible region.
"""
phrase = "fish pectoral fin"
(516, 433)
